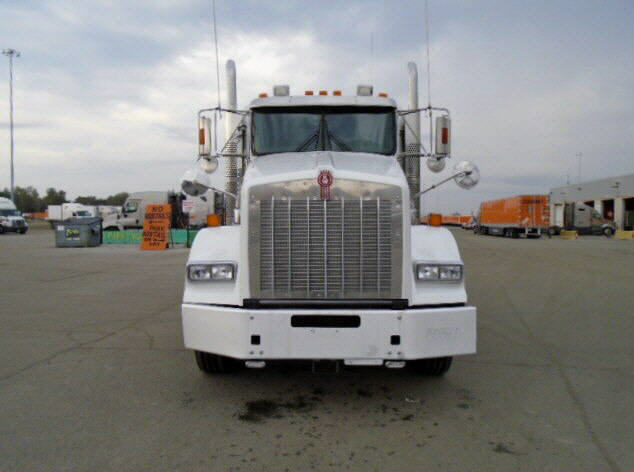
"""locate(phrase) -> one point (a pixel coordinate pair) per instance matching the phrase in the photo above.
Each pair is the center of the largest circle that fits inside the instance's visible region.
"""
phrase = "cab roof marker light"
(263, 95)
(323, 92)
(281, 91)
(383, 94)
(308, 92)
(337, 93)
(365, 90)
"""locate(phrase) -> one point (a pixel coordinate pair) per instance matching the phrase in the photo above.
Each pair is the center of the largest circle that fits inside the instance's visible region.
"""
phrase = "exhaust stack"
(231, 121)
(411, 164)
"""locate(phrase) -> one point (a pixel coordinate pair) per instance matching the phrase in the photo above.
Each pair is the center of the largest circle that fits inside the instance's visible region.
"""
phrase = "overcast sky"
(106, 92)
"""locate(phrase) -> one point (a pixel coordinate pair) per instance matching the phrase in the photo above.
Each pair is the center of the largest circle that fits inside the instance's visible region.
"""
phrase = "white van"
(10, 218)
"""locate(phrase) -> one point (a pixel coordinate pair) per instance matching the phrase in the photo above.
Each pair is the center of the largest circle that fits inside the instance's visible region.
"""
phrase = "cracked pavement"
(94, 375)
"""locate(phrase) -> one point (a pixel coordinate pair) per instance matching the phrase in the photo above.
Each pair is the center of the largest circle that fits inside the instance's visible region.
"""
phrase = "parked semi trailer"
(322, 257)
(527, 215)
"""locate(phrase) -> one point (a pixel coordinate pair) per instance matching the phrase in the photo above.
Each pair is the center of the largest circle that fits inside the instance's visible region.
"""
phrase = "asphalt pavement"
(94, 375)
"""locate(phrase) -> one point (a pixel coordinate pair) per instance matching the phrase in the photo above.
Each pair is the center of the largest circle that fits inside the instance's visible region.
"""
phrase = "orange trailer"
(524, 214)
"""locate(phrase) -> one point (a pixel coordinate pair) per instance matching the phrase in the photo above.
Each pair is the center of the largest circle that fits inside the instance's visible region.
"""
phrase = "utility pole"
(11, 53)
(579, 154)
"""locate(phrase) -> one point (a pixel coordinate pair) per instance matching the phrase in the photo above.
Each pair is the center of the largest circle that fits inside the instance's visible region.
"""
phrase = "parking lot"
(94, 375)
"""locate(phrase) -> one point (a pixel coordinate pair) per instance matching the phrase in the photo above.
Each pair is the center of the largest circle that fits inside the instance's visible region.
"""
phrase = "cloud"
(107, 92)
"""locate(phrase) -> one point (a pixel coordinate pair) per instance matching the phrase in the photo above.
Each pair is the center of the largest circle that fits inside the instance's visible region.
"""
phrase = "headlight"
(203, 272)
(445, 272)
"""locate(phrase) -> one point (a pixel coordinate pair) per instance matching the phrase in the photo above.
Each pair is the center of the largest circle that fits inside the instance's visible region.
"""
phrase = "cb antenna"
(428, 56)
(213, 9)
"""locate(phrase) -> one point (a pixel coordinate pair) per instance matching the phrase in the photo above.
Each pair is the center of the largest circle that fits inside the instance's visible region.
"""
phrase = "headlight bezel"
(437, 271)
(217, 275)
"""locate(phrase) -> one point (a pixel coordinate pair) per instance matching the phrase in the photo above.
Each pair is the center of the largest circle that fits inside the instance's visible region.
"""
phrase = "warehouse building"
(613, 198)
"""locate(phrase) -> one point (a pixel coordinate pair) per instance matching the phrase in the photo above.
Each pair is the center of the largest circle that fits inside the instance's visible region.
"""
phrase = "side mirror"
(204, 137)
(436, 164)
(195, 182)
(443, 136)
(209, 164)
(467, 174)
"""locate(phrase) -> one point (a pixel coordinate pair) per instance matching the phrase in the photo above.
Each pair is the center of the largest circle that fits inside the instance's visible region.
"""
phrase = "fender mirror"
(195, 182)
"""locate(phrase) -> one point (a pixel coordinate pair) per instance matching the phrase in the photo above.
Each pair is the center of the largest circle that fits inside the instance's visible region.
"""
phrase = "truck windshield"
(343, 129)
(9, 213)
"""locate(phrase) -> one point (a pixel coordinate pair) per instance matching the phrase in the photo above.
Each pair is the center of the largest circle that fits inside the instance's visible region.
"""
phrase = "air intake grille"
(325, 248)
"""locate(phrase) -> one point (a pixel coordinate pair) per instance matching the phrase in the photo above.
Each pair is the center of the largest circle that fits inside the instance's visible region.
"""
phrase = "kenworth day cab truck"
(321, 256)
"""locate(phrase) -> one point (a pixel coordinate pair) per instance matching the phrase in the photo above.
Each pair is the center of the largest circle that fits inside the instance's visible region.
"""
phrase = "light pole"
(11, 53)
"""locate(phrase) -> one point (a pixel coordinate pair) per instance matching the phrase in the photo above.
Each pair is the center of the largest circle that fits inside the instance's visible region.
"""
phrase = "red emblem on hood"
(325, 181)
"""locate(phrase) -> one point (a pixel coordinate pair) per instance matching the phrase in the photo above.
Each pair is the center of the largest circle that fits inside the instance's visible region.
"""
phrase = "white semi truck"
(11, 220)
(321, 257)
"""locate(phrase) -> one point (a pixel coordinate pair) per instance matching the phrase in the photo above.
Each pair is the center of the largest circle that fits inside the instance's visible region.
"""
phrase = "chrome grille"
(340, 248)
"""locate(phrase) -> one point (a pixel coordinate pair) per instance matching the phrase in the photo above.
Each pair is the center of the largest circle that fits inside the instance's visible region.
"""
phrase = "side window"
(131, 207)
(596, 214)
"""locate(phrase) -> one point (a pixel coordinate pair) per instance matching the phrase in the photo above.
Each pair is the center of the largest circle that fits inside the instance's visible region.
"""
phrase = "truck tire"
(1, 229)
(607, 232)
(435, 366)
(215, 364)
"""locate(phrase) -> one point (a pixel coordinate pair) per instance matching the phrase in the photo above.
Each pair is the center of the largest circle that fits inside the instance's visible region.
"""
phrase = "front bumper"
(421, 333)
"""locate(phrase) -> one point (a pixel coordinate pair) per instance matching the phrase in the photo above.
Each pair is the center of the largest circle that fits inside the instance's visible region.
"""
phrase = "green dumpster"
(78, 232)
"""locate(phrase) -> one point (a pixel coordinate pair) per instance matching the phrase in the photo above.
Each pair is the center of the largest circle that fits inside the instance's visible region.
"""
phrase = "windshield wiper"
(311, 138)
(343, 146)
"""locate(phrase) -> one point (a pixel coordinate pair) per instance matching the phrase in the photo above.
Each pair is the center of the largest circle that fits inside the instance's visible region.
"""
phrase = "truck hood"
(303, 165)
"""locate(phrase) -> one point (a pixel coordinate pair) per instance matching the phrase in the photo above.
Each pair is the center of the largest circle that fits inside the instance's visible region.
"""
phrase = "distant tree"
(117, 199)
(89, 200)
(54, 197)
(27, 199)
(6, 193)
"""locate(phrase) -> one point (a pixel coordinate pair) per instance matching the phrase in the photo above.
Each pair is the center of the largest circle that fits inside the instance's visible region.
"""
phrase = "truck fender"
(217, 244)
(434, 244)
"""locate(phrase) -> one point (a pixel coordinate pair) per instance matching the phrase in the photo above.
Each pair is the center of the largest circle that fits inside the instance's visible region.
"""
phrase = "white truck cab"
(323, 257)
(11, 220)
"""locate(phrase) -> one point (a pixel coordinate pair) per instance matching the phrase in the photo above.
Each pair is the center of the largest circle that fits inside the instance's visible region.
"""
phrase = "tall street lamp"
(11, 53)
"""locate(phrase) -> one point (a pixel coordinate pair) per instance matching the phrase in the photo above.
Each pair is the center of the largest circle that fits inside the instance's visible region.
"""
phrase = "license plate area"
(325, 321)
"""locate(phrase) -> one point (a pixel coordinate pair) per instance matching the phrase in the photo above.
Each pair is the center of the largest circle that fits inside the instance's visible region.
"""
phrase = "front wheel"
(607, 232)
(435, 366)
(215, 364)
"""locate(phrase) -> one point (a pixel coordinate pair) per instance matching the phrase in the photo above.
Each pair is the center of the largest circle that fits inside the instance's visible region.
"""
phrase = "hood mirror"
(467, 174)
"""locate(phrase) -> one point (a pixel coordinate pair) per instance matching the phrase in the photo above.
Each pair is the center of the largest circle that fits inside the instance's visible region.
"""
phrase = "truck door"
(569, 216)
(583, 216)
